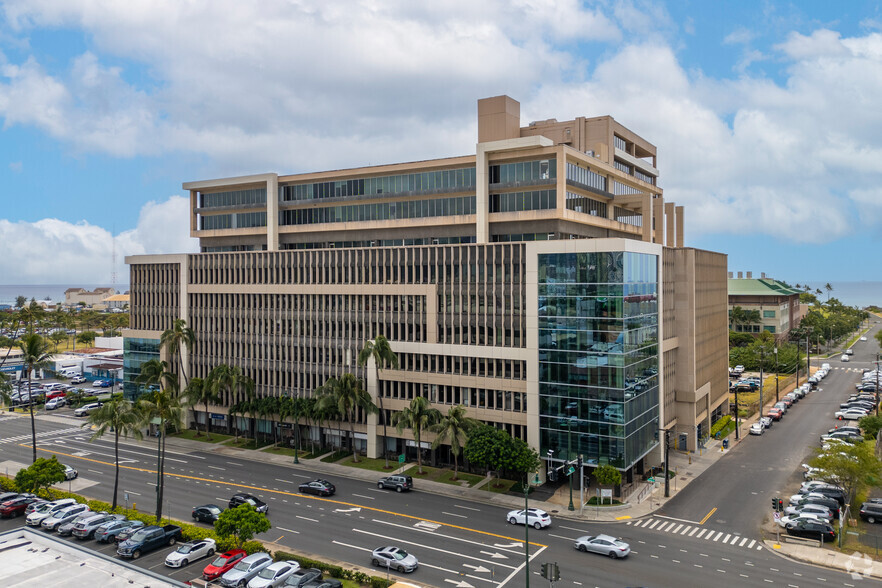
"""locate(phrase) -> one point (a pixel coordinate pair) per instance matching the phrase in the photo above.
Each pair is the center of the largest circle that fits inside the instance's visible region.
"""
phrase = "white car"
(78, 380)
(69, 472)
(863, 338)
(274, 575)
(757, 429)
(56, 402)
(46, 510)
(850, 414)
(844, 358)
(88, 408)
(190, 551)
(603, 544)
(815, 509)
(537, 518)
(64, 515)
(793, 519)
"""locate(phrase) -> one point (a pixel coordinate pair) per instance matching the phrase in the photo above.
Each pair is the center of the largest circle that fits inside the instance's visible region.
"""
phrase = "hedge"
(720, 425)
(193, 533)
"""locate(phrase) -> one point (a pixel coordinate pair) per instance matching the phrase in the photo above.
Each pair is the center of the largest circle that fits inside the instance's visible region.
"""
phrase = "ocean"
(52, 292)
(858, 294)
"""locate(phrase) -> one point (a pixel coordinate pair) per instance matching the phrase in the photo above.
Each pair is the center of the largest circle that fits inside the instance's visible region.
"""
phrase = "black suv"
(399, 483)
(258, 504)
(813, 530)
(871, 511)
(827, 501)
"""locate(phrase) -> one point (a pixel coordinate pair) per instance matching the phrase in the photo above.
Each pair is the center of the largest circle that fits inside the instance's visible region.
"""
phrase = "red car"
(222, 564)
(56, 394)
(16, 507)
(775, 414)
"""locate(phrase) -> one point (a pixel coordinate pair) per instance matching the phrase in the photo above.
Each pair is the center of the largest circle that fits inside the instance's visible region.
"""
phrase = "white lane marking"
(692, 532)
(726, 540)
(743, 541)
(217, 468)
(306, 518)
(466, 507)
(717, 536)
(400, 540)
(232, 463)
(131, 492)
(454, 515)
(288, 530)
(750, 545)
(686, 530)
(561, 537)
(665, 525)
(95, 472)
(680, 526)
(654, 523)
(365, 497)
(759, 546)
(285, 481)
(703, 531)
(515, 548)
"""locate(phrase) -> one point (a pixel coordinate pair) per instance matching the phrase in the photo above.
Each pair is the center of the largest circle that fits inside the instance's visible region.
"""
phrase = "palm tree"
(382, 354)
(454, 429)
(310, 412)
(348, 396)
(418, 417)
(175, 339)
(199, 391)
(265, 408)
(829, 287)
(35, 356)
(121, 417)
(325, 407)
(231, 380)
(161, 403)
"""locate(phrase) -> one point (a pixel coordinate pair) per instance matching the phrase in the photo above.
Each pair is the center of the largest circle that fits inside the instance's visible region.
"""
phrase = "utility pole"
(736, 413)
(762, 376)
(667, 477)
(776, 373)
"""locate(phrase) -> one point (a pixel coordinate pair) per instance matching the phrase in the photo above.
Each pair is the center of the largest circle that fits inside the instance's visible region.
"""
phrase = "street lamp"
(569, 458)
(527, 524)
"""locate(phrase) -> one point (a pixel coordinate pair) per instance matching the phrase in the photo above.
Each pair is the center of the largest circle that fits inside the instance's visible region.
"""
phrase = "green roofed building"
(763, 304)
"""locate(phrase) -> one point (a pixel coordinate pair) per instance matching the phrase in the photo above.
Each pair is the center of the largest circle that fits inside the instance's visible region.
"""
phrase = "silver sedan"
(603, 544)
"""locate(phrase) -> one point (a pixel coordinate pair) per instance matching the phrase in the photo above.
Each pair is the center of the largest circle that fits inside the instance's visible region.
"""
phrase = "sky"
(766, 114)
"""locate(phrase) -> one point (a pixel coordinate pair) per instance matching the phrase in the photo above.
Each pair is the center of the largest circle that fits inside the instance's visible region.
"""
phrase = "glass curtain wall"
(136, 353)
(598, 356)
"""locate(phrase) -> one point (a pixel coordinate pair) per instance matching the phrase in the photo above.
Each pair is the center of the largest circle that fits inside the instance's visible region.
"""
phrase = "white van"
(845, 358)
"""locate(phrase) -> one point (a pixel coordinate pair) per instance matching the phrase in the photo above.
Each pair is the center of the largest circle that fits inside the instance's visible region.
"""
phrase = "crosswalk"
(675, 527)
(27, 437)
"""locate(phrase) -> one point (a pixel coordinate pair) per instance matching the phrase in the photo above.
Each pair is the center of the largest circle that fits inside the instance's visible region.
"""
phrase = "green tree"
(417, 417)
(20, 301)
(40, 475)
(496, 450)
(851, 466)
(174, 340)
(381, 352)
(348, 395)
(199, 391)
(871, 426)
(607, 475)
(453, 429)
(35, 356)
(87, 337)
(231, 385)
(57, 337)
(878, 337)
(122, 418)
(241, 524)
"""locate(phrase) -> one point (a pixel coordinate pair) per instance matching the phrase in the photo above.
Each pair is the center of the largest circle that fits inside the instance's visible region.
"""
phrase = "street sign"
(571, 470)
(777, 516)
(401, 458)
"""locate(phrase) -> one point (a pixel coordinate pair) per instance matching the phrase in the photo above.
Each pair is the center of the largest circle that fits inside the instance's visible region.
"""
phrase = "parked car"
(88, 409)
(190, 551)
(851, 414)
(46, 510)
(87, 527)
(258, 504)
(302, 577)
(815, 509)
(775, 414)
(147, 539)
(766, 422)
(819, 499)
(55, 393)
(78, 380)
(222, 564)
(811, 486)
(274, 574)
(108, 531)
(603, 544)
(398, 483)
(207, 513)
(782, 406)
(126, 534)
(844, 358)
(69, 472)
(62, 516)
(871, 511)
(101, 383)
(17, 506)
(757, 429)
(814, 530)
(318, 487)
(66, 529)
(536, 518)
(394, 558)
(792, 520)
(56, 402)
(246, 569)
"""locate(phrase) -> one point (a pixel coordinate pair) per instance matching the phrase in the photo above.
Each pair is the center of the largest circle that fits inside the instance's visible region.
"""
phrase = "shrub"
(607, 475)
(720, 425)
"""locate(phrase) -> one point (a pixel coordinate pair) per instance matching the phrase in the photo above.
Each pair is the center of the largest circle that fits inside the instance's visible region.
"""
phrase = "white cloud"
(16, 166)
(740, 36)
(63, 252)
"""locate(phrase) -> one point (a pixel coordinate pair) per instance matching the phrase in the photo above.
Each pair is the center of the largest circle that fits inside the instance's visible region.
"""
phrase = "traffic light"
(774, 504)
(555, 576)
(552, 475)
(780, 505)
(545, 570)
(580, 463)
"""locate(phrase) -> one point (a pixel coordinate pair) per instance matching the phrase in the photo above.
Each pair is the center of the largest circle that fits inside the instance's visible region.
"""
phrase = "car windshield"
(243, 566)
(214, 510)
(44, 508)
(186, 548)
(219, 562)
(400, 554)
(267, 573)
(140, 535)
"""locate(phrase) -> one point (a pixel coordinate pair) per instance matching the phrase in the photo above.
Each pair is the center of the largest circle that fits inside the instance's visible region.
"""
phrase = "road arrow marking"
(494, 555)
(508, 546)
(478, 569)
(459, 584)
(356, 509)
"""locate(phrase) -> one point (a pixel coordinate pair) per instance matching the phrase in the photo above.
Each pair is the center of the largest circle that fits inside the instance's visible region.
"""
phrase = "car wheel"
(871, 519)
(398, 488)
(513, 521)
(402, 569)
(241, 584)
(13, 515)
(537, 526)
(612, 555)
(172, 540)
(583, 549)
(375, 563)
(184, 562)
(136, 554)
(380, 486)
(210, 552)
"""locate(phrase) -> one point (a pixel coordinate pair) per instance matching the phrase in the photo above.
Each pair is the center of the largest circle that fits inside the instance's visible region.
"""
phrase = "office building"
(542, 282)
(766, 305)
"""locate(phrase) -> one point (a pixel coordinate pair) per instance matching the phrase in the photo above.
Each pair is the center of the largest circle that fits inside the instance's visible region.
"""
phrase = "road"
(708, 533)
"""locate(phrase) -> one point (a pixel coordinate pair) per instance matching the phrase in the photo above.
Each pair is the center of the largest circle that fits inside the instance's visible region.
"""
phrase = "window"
(768, 314)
